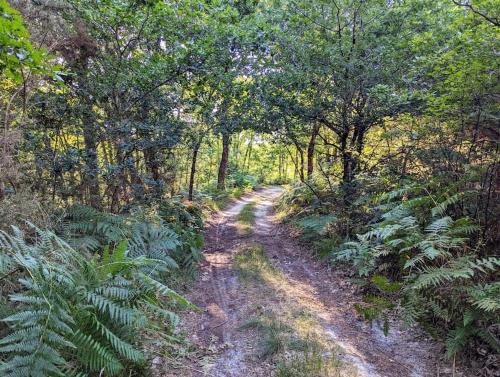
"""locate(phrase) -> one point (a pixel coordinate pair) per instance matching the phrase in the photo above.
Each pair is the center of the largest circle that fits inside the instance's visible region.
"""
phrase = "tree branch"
(493, 20)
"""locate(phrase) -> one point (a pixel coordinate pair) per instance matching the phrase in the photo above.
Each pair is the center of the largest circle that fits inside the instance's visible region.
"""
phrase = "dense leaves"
(76, 313)
(115, 114)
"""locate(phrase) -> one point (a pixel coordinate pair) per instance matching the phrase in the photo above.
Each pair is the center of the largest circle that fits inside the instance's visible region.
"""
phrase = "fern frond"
(440, 209)
(440, 225)
(485, 297)
(94, 355)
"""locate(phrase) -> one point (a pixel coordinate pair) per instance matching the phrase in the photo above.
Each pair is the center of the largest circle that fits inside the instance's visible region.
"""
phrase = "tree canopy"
(382, 115)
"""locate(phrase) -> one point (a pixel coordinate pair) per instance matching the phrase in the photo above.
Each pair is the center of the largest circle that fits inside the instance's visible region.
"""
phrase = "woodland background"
(124, 121)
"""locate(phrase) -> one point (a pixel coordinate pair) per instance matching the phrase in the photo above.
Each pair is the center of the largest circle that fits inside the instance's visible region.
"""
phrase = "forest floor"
(269, 308)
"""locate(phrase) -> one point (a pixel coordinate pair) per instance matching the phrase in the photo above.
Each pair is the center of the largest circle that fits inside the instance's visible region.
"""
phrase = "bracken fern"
(75, 313)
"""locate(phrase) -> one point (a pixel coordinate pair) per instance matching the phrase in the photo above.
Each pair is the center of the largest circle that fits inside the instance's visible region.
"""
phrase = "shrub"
(446, 283)
(74, 313)
(169, 231)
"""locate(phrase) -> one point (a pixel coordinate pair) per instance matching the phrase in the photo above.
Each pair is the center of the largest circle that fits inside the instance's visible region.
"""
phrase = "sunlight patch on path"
(300, 313)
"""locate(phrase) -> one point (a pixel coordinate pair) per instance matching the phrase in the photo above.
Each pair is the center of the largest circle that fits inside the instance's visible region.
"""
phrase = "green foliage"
(390, 107)
(359, 253)
(241, 179)
(168, 231)
(315, 223)
(187, 222)
(440, 274)
(384, 285)
(297, 197)
(379, 305)
(76, 313)
(16, 50)
(375, 307)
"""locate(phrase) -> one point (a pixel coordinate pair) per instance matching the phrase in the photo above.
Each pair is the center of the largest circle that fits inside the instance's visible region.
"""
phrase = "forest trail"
(260, 294)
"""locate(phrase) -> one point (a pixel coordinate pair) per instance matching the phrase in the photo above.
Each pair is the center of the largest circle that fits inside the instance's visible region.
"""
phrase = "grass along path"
(246, 219)
(269, 309)
(288, 334)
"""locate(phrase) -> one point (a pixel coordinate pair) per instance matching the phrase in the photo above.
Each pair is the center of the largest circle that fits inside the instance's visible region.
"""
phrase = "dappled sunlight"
(154, 139)
(295, 303)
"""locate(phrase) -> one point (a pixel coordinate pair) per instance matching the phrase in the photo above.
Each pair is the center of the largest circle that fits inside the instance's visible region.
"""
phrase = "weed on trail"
(289, 336)
(250, 262)
(246, 219)
(293, 355)
(312, 361)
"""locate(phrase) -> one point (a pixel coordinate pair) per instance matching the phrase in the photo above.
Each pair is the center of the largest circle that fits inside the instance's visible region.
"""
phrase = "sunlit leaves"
(17, 54)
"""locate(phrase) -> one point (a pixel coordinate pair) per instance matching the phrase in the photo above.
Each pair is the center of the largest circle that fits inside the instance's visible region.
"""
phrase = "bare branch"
(490, 19)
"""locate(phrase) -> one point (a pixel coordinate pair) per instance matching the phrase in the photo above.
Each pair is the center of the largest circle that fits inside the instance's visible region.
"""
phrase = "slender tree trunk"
(118, 182)
(152, 164)
(236, 152)
(346, 167)
(295, 164)
(248, 154)
(221, 178)
(91, 171)
(285, 167)
(2, 191)
(346, 159)
(310, 152)
(193, 168)
(153, 169)
(300, 156)
(136, 184)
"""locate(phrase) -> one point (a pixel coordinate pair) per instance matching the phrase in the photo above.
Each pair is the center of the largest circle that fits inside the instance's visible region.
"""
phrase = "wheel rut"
(302, 291)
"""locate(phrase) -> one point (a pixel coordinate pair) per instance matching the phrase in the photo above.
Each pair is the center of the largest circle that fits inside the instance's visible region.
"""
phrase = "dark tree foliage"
(383, 115)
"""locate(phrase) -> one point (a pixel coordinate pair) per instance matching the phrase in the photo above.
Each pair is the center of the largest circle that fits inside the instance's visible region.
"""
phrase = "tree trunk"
(118, 182)
(91, 171)
(346, 167)
(152, 164)
(136, 184)
(299, 158)
(153, 169)
(301, 171)
(193, 169)
(248, 154)
(310, 152)
(221, 178)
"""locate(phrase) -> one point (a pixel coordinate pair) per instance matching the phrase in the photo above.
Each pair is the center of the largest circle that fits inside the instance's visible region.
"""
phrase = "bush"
(238, 179)
(446, 283)
(75, 313)
(21, 206)
(169, 231)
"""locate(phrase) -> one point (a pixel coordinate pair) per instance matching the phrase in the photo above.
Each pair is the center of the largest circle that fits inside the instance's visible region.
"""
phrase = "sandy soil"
(299, 290)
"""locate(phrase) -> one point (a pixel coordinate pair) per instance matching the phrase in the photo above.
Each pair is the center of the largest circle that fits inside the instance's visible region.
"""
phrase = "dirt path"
(266, 306)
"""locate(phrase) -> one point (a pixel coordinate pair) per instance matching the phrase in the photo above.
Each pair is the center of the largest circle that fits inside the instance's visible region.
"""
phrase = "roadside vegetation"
(124, 123)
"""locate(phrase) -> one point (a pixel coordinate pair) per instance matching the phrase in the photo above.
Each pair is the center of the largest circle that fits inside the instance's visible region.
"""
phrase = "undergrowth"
(85, 300)
(76, 314)
(419, 251)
